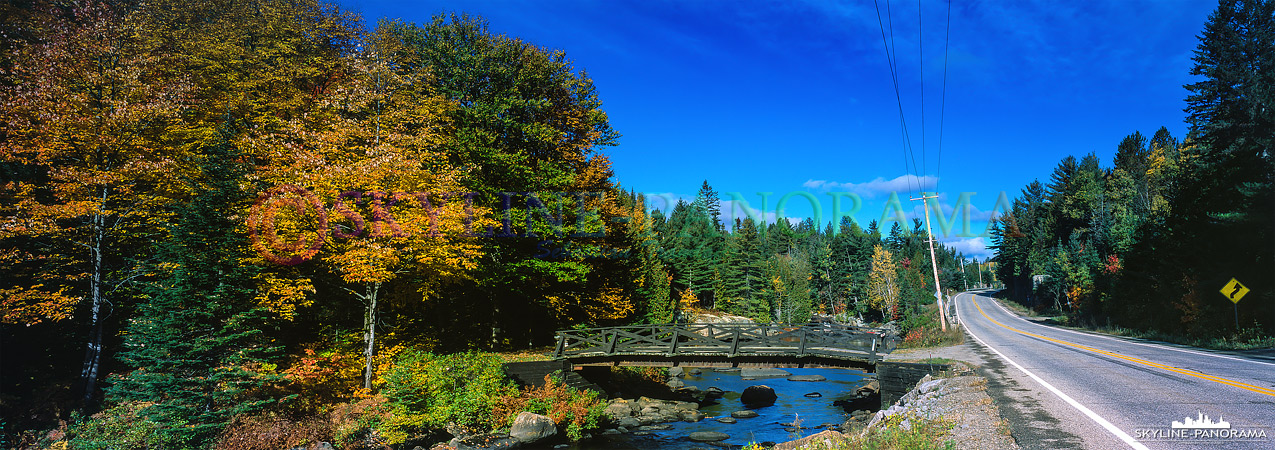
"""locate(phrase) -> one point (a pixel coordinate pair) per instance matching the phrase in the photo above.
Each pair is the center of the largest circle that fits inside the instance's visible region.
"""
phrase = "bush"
(575, 411)
(923, 330)
(347, 425)
(624, 375)
(320, 377)
(435, 392)
(120, 427)
(271, 431)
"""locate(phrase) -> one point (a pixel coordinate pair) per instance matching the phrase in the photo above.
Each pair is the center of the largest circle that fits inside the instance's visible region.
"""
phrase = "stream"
(791, 405)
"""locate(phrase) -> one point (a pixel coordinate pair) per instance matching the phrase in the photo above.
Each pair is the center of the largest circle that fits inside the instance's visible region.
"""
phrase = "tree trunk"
(495, 322)
(93, 349)
(369, 331)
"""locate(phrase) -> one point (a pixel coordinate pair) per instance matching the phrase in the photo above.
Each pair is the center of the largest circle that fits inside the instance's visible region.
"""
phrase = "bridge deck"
(726, 345)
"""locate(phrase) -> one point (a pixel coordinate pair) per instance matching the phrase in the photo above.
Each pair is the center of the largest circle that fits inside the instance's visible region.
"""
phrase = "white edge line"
(1144, 344)
(1075, 404)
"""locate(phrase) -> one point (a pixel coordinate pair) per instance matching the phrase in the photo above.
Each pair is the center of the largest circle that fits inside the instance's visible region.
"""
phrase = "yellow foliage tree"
(883, 286)
(371, 150)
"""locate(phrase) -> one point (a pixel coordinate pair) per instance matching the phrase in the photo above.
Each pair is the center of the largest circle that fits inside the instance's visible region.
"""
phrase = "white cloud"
(975, 247)
(974, 214)
(741, 209)
(876, 187)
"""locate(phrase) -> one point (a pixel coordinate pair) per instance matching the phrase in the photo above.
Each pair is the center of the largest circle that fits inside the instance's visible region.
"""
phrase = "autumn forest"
(222, 218)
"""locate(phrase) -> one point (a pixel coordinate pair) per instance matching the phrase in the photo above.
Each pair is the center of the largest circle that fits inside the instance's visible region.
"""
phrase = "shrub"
(323, 376)
(347, 425)
(624, 375)
(357, 424)
(119, 427)
(922, 329)
(575, 411)
(434, 392)
(272, 431)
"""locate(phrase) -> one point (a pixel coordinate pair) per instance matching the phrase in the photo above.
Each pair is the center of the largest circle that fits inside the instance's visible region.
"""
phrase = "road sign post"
(1234, 291)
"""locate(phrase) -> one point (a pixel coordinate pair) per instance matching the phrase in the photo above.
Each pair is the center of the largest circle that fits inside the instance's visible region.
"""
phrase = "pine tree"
(743, 271)
(897, 240)
(708, 200)
(196, 345)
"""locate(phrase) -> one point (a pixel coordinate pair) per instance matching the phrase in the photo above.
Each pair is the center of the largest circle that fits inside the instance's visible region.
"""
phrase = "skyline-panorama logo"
(1201, 428)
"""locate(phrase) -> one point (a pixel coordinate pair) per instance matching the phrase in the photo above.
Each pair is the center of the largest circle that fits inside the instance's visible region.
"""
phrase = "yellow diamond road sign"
(1234, 290)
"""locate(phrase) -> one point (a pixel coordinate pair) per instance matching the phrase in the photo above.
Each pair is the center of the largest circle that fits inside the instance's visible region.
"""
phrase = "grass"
(938, 361)
(531, 354)
(921, 434)
(925, 331)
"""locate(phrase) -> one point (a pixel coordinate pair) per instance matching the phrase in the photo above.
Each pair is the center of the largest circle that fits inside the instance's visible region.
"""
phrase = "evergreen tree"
(708, 199)
(897, 240)
(197, 343)
(743, 271)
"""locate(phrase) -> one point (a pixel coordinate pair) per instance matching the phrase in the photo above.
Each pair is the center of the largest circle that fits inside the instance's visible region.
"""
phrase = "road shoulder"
(1035, 417)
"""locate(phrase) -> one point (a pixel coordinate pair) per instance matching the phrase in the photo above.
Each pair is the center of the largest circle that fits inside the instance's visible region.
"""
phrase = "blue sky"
(795, 97)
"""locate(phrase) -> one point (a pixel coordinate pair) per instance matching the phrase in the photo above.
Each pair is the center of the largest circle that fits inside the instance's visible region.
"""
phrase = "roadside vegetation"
(1148, 245)
(919, 434)
(1251, 338)
(924, 331)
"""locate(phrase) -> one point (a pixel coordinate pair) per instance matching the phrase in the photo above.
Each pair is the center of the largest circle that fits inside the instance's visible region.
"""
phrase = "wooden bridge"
(727, 345)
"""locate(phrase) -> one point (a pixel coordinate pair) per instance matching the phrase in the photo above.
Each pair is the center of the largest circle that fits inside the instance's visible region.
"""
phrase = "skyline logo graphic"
(1202, 428)
(1201, 422)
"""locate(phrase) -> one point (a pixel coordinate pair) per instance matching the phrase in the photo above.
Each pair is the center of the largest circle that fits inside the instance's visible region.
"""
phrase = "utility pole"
(938, 291)
(980, 274)
(965, 274)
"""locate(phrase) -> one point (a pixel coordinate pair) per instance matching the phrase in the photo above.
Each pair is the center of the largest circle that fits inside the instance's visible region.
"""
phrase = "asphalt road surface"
(1123, 393)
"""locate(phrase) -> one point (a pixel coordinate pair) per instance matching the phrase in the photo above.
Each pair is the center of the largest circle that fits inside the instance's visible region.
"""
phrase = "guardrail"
(728, 340)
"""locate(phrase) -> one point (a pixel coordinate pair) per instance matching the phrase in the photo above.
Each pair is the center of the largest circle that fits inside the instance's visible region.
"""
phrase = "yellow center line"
(1197, 374)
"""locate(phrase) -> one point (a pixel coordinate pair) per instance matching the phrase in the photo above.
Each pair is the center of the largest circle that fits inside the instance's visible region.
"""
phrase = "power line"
(943, 108)
(920, 49)
(892, 58)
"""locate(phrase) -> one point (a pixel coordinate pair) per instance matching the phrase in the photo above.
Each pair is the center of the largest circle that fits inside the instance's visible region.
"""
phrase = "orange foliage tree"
(88, 115)
(371, 150)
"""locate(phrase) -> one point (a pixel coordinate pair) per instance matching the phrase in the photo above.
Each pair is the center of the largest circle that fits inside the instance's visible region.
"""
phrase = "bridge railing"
(728, 340)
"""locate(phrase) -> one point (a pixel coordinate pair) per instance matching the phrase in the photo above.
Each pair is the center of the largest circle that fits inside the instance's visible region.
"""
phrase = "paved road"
(1120, 393)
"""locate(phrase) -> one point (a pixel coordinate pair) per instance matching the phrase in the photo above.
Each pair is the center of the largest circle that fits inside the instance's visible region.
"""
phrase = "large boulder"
(752, 373)
(871, 387)
(759, 395)
(618, 410)
(814, 378)
(485, 442)
(530, 427)
(823, 439)
(708, 436)
(690, 415)
(716, 317)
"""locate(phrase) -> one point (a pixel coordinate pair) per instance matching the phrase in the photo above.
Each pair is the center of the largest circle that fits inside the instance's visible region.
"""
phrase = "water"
(792, 404)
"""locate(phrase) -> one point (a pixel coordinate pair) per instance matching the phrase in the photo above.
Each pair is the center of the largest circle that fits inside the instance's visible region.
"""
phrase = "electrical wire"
(943, 108)
(920, 50)
(891, 58)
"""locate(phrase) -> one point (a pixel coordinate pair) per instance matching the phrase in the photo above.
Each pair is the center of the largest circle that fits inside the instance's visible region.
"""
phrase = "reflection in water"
(792, 404)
